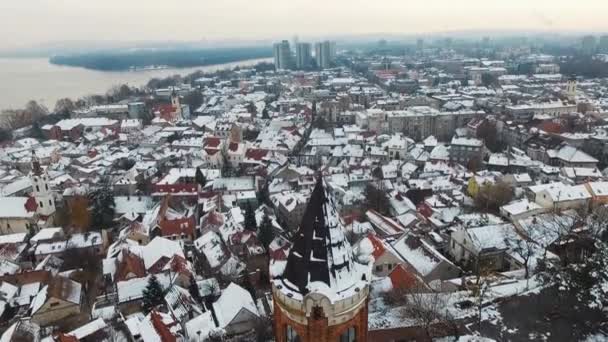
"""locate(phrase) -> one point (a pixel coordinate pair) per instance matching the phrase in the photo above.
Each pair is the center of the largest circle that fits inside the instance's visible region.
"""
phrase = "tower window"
(37, 188)
(349, 335)
(50, 203)
(291, 335)
(41, 204)
(47, 187)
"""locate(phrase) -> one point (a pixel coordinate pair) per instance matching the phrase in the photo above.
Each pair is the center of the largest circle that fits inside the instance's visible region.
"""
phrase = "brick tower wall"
(318, 330)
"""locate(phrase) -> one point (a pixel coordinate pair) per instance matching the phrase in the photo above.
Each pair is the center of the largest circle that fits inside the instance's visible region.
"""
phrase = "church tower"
(321, 293)
(177, 106)
(571, 89)
(40, 186)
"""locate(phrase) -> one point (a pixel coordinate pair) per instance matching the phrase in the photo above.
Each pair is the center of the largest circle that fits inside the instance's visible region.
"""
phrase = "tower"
(323, 54)
(283, 58)
(177, 106)
(571, 89)
(303, 55)
(322, 292)
(40, 188)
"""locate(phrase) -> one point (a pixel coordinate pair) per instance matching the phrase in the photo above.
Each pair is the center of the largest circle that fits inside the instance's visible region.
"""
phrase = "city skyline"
(189, 20)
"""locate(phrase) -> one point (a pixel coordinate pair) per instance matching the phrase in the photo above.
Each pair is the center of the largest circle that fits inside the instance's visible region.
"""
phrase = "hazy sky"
(30, 22)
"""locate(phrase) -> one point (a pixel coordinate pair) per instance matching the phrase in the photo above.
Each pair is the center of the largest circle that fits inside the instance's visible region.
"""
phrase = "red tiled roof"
(165, 110)
(66, 338)
(279, 254)
(178, 226)
(130, 263)
(31, 205)
(212, 142)
(379, 248)
(256, 153)
(211, 152)
(402, 278)
(233, 146)
(161, 328)
(213, 218)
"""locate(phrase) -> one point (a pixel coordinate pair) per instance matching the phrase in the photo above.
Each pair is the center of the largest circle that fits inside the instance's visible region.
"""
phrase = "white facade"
(41, 190)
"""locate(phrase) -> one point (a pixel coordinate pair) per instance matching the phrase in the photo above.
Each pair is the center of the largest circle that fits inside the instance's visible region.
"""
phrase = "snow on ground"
(596, 338)
(459, 305)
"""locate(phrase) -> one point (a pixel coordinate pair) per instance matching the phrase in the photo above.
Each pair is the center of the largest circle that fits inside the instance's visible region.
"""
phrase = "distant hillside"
(125, 60)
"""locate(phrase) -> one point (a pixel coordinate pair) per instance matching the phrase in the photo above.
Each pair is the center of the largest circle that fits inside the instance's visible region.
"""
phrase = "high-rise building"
(588, 45)
(321, 292)
(603, 46)
(485, 42)
(303, 55)
(324, 55)
(419, 45)
(283, 58)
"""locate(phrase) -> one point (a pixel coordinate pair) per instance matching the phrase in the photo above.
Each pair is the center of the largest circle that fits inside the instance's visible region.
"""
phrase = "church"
(322, 292)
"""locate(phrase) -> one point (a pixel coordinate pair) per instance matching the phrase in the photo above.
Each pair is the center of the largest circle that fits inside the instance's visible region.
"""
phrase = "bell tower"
(40, 188)
(177, 106)
(321, 294)
(571, 89)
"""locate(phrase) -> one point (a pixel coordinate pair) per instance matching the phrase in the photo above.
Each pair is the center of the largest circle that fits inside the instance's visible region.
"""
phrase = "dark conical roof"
(320, 252)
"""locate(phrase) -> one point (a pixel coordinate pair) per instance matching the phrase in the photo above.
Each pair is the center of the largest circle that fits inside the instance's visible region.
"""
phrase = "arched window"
(37, 188)
(292, 335)
(348, 336)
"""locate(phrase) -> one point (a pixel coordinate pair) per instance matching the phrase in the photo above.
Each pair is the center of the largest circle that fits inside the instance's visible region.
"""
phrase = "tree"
(64, 106)
(525, 249)
(428, 309)
(102, 207)
(265, 114)
(251, 108)
(193, 289)
(33, 112)
(153, 294)
(250, 222)
(475, 164)
(488, 133)
(493, 196)
(266, 233)
(36, 131)
(320, 123)
(489, 80)
(200, 177)
(5, 135)
(586, 277)
(194, 100)
(376, 199)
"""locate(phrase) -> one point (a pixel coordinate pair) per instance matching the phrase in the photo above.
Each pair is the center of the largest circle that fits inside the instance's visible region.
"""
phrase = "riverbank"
(27, 79)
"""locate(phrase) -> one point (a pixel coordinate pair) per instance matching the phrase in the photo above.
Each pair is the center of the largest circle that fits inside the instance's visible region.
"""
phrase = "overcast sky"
(31, 22)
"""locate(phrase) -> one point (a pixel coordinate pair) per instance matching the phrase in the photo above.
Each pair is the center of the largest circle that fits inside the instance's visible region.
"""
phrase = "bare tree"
(524, 248)
(481, 293)
(429, 309)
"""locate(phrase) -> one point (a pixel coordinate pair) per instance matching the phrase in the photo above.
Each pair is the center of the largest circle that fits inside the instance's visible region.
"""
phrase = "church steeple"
(40, 188)
(320, 251)
(321, 295)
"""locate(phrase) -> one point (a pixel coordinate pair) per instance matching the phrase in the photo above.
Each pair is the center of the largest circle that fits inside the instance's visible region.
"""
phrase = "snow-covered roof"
(201, 326)
(419, 254)
(14, 207)
(233, 300)
(160, 247)
(491, 237)
(519, 207)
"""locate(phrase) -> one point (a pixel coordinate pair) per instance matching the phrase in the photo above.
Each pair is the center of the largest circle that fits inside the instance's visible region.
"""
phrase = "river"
(24, 79)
